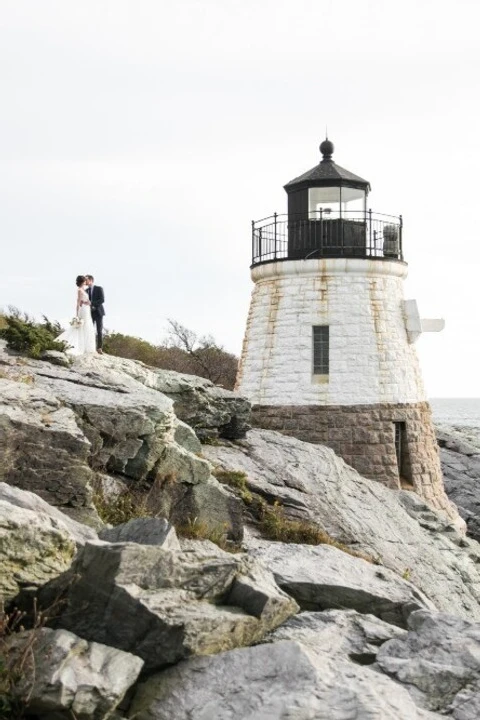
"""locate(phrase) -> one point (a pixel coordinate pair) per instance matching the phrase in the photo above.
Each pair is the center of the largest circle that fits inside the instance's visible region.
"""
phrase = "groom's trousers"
(98, 322)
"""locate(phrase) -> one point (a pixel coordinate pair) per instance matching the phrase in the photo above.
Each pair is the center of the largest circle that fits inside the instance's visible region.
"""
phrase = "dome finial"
(327, 148)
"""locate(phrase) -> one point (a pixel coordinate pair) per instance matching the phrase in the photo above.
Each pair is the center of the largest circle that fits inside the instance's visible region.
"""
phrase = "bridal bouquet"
(76, 322)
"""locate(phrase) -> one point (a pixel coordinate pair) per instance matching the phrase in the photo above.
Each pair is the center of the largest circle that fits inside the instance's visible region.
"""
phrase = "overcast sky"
(139, 138)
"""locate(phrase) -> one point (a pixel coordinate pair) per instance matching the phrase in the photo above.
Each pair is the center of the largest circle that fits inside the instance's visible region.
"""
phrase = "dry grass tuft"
(120, 509)
(272, 521)
(236, 480)
(196, 530)
(17, 663)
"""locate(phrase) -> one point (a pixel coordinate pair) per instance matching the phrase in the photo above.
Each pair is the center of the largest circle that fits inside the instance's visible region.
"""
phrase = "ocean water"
(456, 411)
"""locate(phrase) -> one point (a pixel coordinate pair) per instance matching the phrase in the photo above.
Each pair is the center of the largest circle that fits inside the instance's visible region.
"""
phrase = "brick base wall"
(364, 436)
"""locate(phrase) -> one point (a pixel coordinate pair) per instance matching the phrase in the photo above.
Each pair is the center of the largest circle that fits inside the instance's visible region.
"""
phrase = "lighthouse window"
(321, 348)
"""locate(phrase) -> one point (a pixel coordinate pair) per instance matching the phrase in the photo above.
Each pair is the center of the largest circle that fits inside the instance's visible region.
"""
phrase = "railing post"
(253, 242)
(401, 233)
(321, 231)
(370, 231)
(260, 243)
(275, 236)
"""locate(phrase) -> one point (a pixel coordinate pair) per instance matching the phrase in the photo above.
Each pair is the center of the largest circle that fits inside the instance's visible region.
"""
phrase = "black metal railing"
(327, 234)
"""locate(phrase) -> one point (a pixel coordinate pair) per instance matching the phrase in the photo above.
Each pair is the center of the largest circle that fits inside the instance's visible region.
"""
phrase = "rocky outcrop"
(319, 634)
(105, 417)
(460, 457)
(397, 528)
(439, 662)
(165, 606)
(66, 677)
(314, 667)
(322, 577)
(211, 410)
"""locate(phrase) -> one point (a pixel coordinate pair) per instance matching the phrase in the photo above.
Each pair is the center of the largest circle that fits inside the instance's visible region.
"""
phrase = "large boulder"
(394, 527)
(63, 676)
(164, 605)
(439, 662)
(321, 577)
(313, 668)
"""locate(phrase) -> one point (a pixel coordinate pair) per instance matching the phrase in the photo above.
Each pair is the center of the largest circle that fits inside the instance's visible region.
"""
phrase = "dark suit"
(97, 298)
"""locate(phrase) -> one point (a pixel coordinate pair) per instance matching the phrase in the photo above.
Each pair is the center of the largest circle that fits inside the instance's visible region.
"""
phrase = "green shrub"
(28, 337)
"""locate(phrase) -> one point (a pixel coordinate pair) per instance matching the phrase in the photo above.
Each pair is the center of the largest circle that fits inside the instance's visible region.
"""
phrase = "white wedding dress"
(80, 339)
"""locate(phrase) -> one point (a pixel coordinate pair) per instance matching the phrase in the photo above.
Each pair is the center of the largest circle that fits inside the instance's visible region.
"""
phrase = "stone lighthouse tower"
(328, 354)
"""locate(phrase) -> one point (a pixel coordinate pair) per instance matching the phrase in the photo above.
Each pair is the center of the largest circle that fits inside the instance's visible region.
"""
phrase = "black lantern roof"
(327, 173)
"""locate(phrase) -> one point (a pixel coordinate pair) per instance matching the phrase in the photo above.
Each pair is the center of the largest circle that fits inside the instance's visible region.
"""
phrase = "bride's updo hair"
(80, 280)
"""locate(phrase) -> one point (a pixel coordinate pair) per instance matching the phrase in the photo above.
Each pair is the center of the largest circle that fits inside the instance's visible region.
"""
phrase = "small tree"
(183, 351)
(208, 359)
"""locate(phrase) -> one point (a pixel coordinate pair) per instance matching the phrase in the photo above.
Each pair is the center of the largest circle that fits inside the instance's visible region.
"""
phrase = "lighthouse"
(328, 354)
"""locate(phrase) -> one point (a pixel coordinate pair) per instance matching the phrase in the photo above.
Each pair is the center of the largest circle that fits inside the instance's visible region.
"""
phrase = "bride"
(80, 337)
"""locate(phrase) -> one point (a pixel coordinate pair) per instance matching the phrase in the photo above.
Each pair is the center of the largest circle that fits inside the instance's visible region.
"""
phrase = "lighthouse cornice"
(328, 267)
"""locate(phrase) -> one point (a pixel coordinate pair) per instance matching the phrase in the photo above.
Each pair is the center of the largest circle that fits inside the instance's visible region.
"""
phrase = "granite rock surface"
(322, 577)
(393, 527)
(316, 666)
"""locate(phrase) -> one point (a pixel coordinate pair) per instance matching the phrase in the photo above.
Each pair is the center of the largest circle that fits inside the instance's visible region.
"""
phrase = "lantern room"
(327, 217)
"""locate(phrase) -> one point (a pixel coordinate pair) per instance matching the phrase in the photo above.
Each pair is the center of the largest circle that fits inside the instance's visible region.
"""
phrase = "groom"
(97, 298)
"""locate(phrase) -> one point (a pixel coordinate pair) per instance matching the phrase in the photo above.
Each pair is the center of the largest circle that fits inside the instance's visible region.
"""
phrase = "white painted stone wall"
(371, 360)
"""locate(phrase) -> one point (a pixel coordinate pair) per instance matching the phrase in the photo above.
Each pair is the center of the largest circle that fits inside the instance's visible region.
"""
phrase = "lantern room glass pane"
(323, 202)
(353, 201)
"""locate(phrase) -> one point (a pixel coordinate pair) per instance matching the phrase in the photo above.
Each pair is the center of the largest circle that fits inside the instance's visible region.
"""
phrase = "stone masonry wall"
(371, 359)
(364, 436)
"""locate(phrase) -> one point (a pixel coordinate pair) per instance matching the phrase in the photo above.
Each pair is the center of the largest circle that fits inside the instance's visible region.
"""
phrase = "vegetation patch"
(182, 350)
(237, 480)
(11, 668)
(17, 663)
(196, 530)
(213, 440)
(130, 505)
(275, 526)
(121, 508)
(24, 335)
